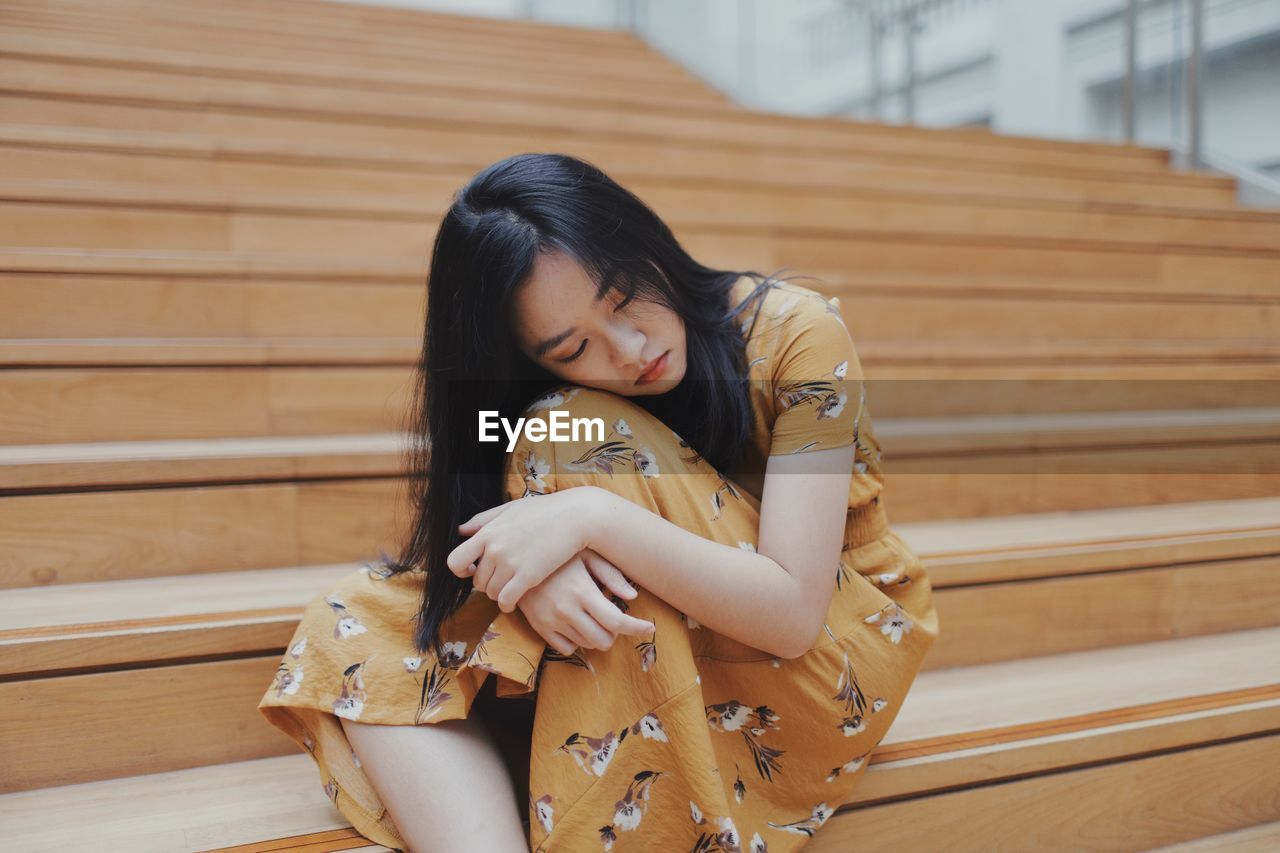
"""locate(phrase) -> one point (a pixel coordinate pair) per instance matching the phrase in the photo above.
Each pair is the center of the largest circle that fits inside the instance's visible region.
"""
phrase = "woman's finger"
(562, 644)
(566, 631)
(499, 577)
(608, 574)
(510, 593)
(483, 576)
(615, 621)
(586, 627)
(480, 519)
(464, 555)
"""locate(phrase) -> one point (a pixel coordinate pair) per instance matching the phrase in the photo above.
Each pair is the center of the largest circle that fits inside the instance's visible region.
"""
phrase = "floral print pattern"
(686, 733)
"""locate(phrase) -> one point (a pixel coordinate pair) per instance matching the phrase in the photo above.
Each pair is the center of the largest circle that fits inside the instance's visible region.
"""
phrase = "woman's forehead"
(558, 283)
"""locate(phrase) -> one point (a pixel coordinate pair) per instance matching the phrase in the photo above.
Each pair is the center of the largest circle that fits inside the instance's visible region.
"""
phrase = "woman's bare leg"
(445, 785)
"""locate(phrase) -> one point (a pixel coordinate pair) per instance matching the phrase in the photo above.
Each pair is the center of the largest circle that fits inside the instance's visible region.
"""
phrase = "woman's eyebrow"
(555, 340)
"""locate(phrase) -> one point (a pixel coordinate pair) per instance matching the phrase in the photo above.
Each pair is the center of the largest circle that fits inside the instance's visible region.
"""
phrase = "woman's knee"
(619, 446)
(593, 431)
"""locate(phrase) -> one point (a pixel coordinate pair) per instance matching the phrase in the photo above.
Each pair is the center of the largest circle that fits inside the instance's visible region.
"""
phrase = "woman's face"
(560, 324)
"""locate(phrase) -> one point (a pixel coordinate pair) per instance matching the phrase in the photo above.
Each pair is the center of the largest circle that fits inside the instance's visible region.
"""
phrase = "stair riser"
(1122, 806)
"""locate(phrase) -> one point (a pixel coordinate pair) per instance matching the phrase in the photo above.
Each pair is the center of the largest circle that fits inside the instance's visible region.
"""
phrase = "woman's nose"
(629, 350)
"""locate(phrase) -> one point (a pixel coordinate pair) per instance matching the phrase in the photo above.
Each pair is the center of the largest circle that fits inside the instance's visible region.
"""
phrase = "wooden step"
(37, 212)
(1143, 573)
(85, 153)
(578, 77)
(65, 467)
(989, 443)
(287, 26)
(1263, 838)
(192, 266)
(445, 31)
(1057, 358)
(470, 148)
(1156, 743)
(1179, 271)
(73, 390)
(65, 75)
(94, 627)
(141, 305)
(383, 20)
(216, 526)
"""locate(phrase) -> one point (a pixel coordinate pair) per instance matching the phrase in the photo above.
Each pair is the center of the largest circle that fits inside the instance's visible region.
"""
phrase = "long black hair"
(486, 247)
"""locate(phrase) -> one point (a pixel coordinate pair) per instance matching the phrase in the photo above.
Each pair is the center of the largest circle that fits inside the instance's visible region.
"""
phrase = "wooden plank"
(1036, 618)
(1129, 283)
(163, 227)
(1263, 838)
(820, 214)
(139, 533)
(183, 810)
(933, 497)
(485, 35)
(229, 388)
(976, 551)
(1149, 573)
(81, 728)
(83, 627)
(696, 204)
(980, 728)
(1053, 614)
(1173, 268)
(102, 306)
(991, 722)
(472, 69)
(35, 150)
(99, 306)
(82, 466)
(1131, 805)
(944, 444)
(78, 405)
(28, 72)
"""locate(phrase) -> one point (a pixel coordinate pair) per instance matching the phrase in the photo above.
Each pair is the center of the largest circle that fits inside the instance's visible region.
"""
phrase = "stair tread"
(373, 156)
(405, 349)
(407, 270)
(1125, 156)
(133, 603)
(1263, 838)
(885, 212)
(964, 714)
(85, 615)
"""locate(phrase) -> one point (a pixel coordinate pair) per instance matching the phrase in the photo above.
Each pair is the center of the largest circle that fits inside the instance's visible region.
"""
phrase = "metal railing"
(908, 17)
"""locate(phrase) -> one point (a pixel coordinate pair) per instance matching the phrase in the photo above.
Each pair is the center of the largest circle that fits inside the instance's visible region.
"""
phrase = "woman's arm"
(773, 599)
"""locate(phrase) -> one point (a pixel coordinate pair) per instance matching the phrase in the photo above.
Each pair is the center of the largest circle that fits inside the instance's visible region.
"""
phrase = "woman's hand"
(516, 545)
(569, 610)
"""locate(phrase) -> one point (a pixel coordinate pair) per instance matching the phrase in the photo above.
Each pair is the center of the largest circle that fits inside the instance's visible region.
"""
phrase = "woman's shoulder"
(781, 310)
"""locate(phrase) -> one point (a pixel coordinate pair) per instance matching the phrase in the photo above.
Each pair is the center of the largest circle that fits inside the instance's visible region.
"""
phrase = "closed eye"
(583, 346)
(574, 357)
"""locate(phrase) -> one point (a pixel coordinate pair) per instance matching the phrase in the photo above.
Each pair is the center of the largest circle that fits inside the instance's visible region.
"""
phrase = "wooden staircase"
(214, 223)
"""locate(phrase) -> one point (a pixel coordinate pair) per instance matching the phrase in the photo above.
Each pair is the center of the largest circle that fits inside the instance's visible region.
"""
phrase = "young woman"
(702, 598)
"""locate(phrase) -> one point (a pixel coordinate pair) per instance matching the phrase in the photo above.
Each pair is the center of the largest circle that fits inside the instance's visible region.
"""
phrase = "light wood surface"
(1038, 722)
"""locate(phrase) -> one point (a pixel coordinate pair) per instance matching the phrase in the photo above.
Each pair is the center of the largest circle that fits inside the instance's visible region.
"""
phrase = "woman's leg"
(445, 785)
(383, 719)
(664, 740)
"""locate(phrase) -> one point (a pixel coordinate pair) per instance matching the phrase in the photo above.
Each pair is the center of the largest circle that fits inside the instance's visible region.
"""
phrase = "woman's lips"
(654, 372)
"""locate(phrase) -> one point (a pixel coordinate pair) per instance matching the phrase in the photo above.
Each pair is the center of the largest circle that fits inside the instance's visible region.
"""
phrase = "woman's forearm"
(742, 594)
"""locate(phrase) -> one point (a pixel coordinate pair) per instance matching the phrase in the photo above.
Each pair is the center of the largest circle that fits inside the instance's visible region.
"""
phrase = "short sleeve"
(817, 381)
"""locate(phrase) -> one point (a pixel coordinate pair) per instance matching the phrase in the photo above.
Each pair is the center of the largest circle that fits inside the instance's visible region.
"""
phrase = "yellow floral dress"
(686, 739)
